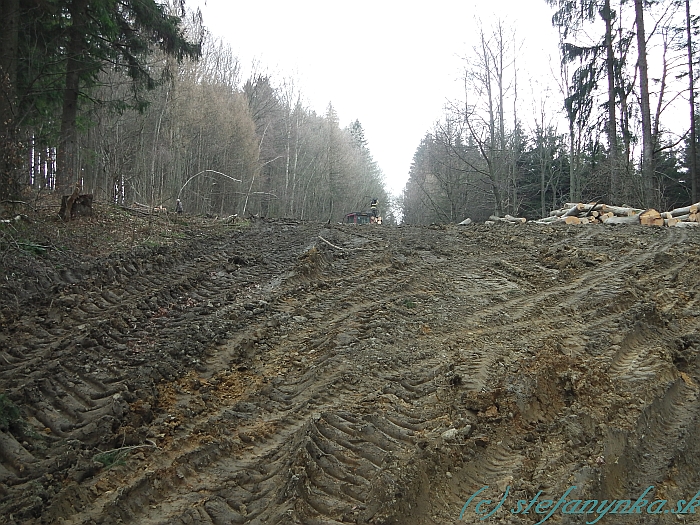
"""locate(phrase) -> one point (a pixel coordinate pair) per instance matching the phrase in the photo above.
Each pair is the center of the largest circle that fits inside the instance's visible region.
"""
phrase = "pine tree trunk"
(612, 122)
(648, 148)
(693, 154)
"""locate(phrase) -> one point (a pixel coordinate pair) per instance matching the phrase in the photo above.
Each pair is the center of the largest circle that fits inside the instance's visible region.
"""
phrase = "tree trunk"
(543, 188)
(693, 154)
(612, 122)
(516, 140)
(647, 149)
(573, 181)
(9, 38)
(67, 147)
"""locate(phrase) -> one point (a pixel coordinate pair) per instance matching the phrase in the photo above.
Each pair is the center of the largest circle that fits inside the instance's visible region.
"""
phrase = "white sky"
(391, 64)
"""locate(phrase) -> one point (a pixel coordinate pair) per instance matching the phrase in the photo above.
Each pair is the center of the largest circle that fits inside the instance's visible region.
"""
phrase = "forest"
(137, 102)
(618, 132)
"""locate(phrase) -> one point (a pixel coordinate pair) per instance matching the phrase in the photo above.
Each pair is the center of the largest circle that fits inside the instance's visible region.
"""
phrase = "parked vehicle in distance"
(361, 217)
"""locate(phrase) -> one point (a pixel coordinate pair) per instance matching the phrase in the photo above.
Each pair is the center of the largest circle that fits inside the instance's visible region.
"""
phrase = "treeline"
(162, 112)
(495, 153)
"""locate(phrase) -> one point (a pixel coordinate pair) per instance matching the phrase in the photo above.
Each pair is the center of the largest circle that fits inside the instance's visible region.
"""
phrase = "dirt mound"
(288, 372)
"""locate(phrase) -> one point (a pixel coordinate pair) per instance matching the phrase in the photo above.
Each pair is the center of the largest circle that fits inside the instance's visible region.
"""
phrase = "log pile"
(599, 213)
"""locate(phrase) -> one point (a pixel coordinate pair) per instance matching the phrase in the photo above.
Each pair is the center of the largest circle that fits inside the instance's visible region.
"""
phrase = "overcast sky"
(391, 64)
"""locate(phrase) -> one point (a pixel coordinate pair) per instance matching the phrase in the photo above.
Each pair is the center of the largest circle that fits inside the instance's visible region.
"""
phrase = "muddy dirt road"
(299, 373)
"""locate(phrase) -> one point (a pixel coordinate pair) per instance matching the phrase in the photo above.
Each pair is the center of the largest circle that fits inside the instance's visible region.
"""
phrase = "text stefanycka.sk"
(485, 508)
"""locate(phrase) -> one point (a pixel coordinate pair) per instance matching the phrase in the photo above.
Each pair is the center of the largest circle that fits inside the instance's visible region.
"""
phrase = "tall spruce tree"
(101, 34)
(571, 16)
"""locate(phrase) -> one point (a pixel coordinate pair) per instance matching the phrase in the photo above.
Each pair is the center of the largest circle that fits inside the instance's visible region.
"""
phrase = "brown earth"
(184, 371)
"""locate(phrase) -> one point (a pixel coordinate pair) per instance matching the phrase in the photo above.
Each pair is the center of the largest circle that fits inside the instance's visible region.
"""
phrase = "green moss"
(10, 415)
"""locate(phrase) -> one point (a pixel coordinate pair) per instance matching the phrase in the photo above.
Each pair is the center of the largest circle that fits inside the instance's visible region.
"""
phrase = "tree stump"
(76, 205)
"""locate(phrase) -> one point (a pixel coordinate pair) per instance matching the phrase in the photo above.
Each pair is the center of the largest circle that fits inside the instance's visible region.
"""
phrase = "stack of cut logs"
(593, 213)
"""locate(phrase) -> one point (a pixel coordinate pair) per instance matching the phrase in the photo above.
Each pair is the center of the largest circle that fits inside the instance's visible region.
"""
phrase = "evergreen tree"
(596, 61)
(102, 34)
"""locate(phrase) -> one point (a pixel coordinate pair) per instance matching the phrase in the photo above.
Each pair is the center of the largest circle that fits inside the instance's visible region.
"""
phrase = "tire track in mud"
(346, 390)
(640, 366)
(636, 364)
(500, 471)
(111, 318)
(656, 453)
(338, 452)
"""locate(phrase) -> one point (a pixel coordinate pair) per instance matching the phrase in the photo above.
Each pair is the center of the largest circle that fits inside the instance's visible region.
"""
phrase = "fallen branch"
(16, 218)
(331, 244)
(118, 452)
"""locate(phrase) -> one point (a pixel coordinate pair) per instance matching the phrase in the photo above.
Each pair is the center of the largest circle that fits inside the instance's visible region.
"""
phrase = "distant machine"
(361, 217)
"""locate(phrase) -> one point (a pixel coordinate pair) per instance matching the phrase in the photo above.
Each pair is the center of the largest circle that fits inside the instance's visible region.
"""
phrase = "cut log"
(573, 211)
(693, 208)
(631, 219)
(510, 218)
(505, 219)
(651, 217)
(591, 206)
(622, 211)
(682, 217)
(650, 213)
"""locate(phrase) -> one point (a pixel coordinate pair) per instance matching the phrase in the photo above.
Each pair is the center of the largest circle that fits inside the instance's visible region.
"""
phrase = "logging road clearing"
(291, 372)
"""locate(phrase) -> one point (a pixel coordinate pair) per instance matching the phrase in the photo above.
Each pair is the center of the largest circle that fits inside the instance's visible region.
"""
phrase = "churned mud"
(298, 373)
